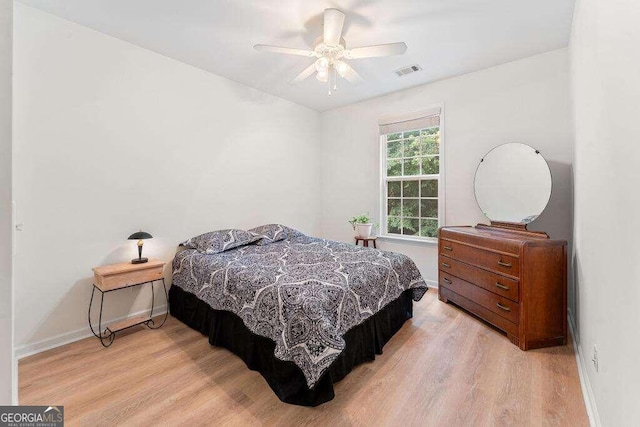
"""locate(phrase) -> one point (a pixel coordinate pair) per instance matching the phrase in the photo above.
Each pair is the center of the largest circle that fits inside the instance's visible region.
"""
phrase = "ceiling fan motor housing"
(323, 49)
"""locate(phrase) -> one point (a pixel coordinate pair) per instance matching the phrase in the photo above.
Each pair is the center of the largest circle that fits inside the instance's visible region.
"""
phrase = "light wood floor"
(443, 368)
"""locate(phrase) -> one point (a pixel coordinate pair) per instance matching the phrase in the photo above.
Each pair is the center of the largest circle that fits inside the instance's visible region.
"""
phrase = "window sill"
(401, 239)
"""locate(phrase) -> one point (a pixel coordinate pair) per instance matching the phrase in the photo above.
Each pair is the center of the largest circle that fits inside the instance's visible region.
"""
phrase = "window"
(412, 190)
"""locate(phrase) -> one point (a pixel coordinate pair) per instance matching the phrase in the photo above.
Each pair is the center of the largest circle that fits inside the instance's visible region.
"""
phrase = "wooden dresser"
(514, 279)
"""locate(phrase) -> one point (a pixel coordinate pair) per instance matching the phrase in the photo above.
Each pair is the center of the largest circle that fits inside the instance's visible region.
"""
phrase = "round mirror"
(513, 184)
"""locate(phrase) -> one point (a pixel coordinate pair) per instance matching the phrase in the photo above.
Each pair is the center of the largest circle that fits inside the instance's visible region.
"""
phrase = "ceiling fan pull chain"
(333, 84)
(335, 78)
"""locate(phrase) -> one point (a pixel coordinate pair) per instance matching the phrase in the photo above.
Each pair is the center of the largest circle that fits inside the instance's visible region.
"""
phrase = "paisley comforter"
(303, 292)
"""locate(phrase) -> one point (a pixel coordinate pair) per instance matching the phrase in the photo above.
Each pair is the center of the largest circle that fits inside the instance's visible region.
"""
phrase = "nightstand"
(109, 278)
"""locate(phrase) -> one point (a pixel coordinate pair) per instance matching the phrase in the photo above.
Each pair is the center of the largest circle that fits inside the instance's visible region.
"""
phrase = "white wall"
(524, 101)
(110, 138)
(605, 71)
(6, 345)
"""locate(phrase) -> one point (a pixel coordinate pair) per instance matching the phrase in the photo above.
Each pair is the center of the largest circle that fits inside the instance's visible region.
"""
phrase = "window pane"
(410, 227)
(394, 149)
(393, 207)
(412, 146)
(429, 188)
(410, 207)
(428, 208)
(410, 188)
(409, 134)
(431, 165)
(431, 141)
(392, 136)
(412, 167)
(394, 168)
(429, 228)
(393, 224)
(394, 188)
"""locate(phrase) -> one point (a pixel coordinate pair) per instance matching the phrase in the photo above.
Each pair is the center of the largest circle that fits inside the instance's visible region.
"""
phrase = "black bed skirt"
(227, 330)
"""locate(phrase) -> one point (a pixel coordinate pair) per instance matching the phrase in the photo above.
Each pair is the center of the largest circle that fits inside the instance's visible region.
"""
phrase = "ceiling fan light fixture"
(341, 68)
(323, 76)
(322, 64)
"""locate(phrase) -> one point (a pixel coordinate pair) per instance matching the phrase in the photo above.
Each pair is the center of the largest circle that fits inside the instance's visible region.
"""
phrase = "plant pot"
(363, 230)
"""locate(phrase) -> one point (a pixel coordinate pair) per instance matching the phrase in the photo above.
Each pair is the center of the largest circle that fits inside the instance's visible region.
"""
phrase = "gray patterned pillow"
(218, 241)
(274, 232)
(271, 232)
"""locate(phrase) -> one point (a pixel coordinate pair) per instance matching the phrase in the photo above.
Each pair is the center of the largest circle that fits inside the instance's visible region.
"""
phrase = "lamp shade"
(140, 235)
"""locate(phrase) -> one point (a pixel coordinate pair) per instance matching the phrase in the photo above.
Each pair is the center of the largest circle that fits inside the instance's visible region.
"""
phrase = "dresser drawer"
(494, 261)
(492, 282)
(495, 303)
(476, 237)
(115, 281)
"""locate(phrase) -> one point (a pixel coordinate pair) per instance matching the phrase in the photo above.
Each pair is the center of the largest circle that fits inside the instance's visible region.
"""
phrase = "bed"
(301, 310)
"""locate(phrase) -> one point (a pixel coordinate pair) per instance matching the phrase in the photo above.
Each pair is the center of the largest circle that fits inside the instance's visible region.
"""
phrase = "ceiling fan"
(330, 51)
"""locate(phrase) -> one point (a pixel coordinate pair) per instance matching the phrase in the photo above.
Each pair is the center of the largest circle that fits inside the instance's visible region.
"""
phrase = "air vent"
(408, 70)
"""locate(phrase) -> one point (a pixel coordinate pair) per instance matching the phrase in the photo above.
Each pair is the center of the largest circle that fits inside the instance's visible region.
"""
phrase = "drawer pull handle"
(505, 308)
(504, 264)
(501, 286)
(447, 248)
(447, 281)
(445, 265)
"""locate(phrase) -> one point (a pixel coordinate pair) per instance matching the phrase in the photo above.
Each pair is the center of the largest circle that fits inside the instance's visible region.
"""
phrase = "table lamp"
(140, 236)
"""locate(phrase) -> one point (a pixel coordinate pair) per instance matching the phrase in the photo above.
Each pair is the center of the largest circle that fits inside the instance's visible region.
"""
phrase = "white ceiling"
(445, 37)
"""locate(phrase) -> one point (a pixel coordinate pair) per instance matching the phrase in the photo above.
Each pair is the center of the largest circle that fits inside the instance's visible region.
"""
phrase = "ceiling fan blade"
(304, 74)
(333, 23)
(288, 50)
(351, 75)
(389, 49)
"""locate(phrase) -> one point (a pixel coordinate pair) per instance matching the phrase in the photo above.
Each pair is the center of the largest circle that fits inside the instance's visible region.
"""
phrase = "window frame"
(441, 186)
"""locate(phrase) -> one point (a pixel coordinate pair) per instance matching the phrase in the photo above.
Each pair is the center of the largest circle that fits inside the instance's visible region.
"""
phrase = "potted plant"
(362, 225)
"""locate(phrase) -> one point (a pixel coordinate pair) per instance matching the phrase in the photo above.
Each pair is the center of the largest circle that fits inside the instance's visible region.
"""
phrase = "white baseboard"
(431, 284)
(25, 350)
(587, 391)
